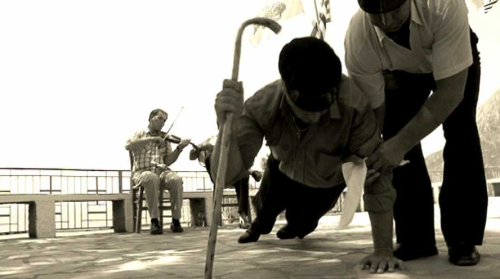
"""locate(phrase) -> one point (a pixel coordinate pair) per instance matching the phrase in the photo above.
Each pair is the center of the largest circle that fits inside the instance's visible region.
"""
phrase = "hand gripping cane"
(224, 135)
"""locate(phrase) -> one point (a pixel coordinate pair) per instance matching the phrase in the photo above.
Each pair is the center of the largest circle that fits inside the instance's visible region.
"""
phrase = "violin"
(176, 139)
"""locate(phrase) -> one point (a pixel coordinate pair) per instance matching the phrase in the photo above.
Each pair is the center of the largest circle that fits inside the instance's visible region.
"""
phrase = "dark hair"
(379, 6)
(155, 112)
(310, 66)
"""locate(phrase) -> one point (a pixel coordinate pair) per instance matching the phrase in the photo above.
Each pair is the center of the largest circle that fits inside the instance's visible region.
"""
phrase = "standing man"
(397, 52)
(312, 124)
(152, 156)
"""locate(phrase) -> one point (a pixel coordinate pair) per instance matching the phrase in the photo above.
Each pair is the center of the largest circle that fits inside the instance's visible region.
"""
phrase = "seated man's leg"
(151, 183)
(174, 184)
(307, 206)
(271, 199)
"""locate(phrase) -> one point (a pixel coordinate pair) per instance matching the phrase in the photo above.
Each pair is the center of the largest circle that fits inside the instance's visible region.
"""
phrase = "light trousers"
(153, 184)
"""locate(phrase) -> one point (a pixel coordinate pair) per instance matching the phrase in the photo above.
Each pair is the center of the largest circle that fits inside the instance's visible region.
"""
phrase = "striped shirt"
(150, 154)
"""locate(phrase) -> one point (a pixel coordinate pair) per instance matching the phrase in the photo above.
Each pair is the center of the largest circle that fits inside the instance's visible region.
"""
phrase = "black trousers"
(463, 198)
(241, 187)
(304, 205)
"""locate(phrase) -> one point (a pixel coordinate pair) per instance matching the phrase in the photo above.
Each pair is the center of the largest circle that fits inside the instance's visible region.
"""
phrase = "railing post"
(120, 182)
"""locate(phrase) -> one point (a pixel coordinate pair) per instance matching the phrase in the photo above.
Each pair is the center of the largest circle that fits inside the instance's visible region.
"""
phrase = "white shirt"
(439, 41)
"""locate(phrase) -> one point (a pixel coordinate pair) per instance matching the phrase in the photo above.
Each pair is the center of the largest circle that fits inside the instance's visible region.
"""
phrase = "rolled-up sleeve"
(365, 136)
(451, 51)
(379, 196)
(363, 62)
(371, 85)
(250, 138)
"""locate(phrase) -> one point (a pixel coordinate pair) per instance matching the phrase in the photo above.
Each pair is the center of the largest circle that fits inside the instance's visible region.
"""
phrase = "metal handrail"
(78, 215)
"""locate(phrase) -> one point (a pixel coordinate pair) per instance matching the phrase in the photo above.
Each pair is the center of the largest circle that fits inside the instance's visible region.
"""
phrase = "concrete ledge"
(201, 207)
(42, 210)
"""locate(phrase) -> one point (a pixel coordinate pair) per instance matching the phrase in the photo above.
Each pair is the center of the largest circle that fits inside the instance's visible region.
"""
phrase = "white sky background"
(77, 78)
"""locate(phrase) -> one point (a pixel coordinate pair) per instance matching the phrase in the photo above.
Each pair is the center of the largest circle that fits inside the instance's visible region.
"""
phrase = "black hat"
(310, 66)
(379, 6)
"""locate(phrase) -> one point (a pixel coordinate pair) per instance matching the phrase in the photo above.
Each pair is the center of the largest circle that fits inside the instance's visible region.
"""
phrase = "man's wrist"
(403, 143)
(384, 251)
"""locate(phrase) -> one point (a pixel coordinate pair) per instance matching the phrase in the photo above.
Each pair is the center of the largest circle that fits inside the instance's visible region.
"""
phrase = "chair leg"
(161, 207)
(138, 225)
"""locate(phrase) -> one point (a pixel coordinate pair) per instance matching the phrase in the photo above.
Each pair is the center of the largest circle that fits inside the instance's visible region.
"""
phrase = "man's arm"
(379, 194)
(138, 143)
(245, 138)
(380, 117)
(447, 96)
(234, 163)
(171, 157)
(379, 199)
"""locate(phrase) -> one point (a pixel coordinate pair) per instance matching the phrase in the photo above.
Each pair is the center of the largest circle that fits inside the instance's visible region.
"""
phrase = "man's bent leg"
(272, 197)
(306, 207)
(174, 185)
(151, 184)
(241, 187)
(271, 201)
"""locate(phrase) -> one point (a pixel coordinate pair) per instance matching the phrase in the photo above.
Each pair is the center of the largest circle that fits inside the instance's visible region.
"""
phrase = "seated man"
(202, 154)
(312, 124)
(152, 156)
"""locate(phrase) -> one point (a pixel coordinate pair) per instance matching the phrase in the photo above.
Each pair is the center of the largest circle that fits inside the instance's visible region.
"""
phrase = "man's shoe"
(286, 232)
(156, 229)
(176, 227)
(248, 236)
(463, 254)
(412, 252)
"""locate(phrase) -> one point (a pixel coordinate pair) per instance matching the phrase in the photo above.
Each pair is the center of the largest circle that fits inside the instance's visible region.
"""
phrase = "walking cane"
(224, 135)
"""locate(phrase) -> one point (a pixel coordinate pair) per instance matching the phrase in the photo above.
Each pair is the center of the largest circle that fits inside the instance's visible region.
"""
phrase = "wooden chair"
(138, 199)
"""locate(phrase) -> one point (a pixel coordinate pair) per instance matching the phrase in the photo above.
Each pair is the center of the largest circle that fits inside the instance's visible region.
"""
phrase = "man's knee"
(172, 181)
(147, 178)
(177, 183)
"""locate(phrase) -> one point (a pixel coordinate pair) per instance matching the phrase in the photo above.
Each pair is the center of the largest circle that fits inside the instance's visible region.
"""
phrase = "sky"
(78, 78)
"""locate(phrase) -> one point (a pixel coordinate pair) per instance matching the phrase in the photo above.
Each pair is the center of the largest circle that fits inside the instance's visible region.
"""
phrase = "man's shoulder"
(438, 8)
(351, 99)
(266, 99)
(360, 35)
(359, 27)
(140, 134)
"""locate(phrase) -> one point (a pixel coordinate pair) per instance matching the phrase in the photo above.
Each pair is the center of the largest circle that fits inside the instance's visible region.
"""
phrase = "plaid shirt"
(314, 159)
(149, 153)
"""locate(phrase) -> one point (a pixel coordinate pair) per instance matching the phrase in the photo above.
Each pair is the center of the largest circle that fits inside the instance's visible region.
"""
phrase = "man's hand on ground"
(380, 262)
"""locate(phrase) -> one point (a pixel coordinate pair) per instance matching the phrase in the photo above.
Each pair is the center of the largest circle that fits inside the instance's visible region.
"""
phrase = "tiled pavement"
(327, 253)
